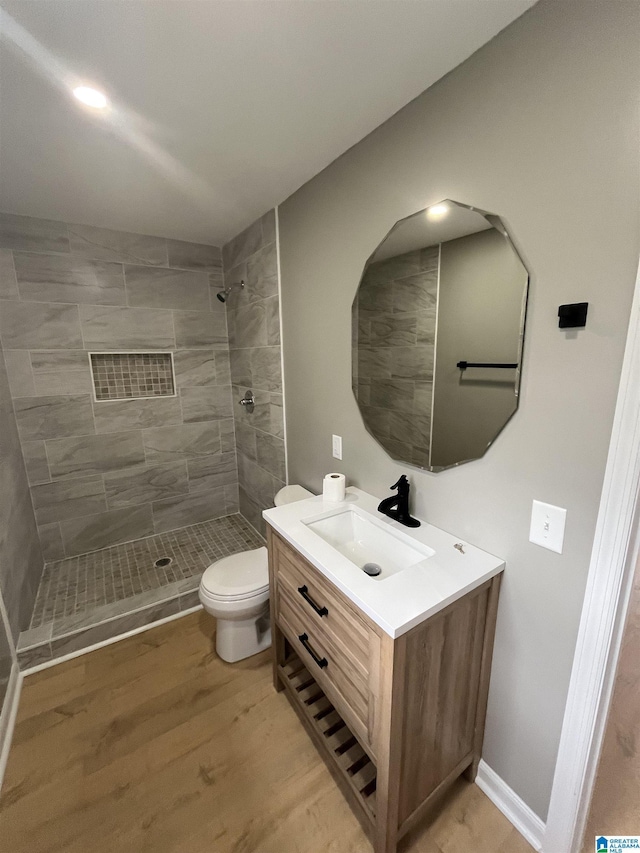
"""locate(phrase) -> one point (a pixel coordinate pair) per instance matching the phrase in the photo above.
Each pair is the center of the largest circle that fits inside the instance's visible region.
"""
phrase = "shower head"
(222, 296)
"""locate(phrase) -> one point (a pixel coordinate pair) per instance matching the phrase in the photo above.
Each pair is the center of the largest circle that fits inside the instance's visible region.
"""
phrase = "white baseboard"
(8, 716)
(512, 807)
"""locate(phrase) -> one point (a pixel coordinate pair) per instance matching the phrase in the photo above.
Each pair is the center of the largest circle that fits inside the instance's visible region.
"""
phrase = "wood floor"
(154, 744)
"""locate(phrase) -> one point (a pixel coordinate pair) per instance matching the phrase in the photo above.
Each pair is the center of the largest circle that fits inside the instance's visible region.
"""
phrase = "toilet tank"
(290, 494)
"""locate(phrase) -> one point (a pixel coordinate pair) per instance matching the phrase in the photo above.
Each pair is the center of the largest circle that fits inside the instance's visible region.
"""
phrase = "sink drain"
(371, 569)
(162, 562)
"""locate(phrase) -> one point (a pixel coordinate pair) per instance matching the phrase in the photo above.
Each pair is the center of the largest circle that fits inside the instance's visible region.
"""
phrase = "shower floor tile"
(83, 590)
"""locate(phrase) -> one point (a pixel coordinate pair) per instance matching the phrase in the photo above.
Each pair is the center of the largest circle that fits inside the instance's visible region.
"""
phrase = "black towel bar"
(464, 364)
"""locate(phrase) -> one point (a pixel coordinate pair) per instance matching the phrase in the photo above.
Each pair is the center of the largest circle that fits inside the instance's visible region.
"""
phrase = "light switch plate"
(336, 446)
(547, 526)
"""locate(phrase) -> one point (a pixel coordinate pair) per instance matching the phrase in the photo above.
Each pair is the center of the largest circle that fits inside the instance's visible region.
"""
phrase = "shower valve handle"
(248, 400)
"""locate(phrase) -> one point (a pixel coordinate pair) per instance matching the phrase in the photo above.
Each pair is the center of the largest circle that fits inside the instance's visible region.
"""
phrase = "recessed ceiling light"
(437, 211)
(91, 97)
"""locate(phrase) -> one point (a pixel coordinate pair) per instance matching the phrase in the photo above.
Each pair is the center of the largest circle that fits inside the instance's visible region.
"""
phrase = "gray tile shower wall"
(253, 318)
(21, 559)
(105, 472)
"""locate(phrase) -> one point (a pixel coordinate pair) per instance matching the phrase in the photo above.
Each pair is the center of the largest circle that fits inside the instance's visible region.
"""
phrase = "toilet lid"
(238, 576)
(291, 494)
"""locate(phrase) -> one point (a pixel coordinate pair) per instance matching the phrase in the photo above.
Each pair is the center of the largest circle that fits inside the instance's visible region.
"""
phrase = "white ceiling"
(221, 108)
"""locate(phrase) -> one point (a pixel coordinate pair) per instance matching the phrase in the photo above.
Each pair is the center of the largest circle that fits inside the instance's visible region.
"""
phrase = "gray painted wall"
(108, 472)
(21, 560)
(541, 127)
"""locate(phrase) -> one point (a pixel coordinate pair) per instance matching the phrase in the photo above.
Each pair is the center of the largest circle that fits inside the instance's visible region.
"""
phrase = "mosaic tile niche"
(122, 375)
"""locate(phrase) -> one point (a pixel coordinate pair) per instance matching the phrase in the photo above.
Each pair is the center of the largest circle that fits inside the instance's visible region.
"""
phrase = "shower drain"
(162, 562)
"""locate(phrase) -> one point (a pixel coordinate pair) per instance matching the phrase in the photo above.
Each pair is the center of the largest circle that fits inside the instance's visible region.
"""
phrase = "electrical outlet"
(336, 446)
(547, 526)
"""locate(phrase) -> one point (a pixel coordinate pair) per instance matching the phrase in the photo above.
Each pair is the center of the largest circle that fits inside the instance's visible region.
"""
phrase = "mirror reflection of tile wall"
(395, 314)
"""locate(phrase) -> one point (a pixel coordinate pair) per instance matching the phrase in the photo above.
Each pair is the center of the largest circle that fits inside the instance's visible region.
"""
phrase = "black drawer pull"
(322, 662)
(304, 592)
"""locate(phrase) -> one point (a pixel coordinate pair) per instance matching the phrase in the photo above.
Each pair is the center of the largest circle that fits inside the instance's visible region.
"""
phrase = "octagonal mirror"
(438, 328)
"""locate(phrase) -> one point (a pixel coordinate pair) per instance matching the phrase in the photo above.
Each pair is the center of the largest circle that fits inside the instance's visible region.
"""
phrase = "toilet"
(236, 591)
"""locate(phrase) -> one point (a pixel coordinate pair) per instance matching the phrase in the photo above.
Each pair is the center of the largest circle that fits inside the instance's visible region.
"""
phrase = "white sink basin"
(424, 569)
(364, 540)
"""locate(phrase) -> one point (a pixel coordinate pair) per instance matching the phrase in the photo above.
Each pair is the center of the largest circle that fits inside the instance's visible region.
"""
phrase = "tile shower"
(118, 362)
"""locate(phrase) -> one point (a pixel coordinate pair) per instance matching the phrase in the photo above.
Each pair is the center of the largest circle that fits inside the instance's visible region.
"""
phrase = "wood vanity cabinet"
(396, 720)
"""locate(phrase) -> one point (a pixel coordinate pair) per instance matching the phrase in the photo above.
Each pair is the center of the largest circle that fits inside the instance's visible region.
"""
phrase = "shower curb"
(60, 646)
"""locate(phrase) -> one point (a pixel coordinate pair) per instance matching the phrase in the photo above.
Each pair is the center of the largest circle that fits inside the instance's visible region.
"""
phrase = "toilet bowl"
(236, 591)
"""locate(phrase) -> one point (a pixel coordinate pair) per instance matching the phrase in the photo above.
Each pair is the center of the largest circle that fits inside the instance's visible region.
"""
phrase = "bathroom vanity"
(388, 674)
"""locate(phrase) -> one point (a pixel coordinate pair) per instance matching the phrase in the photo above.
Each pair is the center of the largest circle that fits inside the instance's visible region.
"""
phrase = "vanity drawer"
(326, 659)
(305, 602)
(323, 607)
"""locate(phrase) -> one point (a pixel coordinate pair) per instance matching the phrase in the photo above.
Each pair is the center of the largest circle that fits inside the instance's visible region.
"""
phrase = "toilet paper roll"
(333, 487)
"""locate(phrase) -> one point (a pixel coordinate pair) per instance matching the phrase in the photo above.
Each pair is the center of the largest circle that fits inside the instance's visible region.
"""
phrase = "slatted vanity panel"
(396, 721)
(347, 759)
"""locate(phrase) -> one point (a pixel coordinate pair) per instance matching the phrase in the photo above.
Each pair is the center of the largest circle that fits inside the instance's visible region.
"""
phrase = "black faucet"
(397, 506)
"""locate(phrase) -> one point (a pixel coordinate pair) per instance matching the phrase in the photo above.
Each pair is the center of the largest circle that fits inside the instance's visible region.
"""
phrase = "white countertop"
(405, 599)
